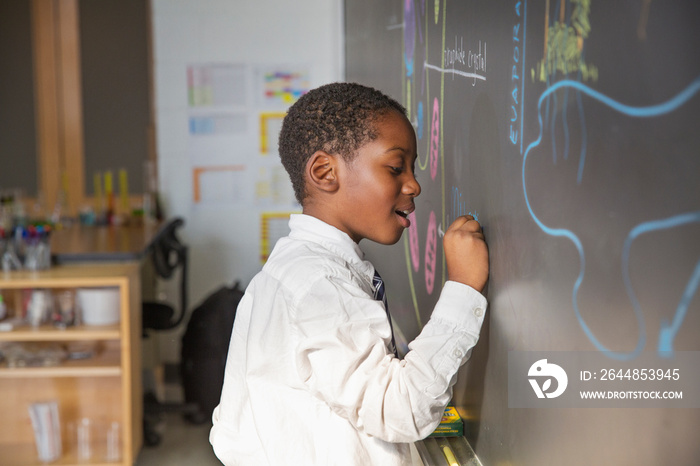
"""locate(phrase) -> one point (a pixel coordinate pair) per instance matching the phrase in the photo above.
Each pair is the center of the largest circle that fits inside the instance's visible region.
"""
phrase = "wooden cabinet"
(105, 388)
(75, 88)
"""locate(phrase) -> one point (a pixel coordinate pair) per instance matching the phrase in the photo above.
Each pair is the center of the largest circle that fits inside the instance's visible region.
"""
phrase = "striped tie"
(380, 295)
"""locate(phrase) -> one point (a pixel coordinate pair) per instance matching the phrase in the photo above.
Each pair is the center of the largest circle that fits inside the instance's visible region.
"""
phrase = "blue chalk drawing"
(669, 329)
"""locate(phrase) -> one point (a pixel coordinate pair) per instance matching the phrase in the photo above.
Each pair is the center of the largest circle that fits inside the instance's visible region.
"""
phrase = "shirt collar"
(310, 228)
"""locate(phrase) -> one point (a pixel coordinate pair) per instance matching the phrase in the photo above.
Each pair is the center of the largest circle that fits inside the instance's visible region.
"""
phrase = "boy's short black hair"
(338, 118)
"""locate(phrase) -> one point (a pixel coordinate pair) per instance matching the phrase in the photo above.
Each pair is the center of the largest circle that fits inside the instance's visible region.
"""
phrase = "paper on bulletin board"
(218, 95)
(219, 127)
(221, 124)
(235, 111)
(281, 85)
(273, 226)
(270, 127)
(274, 189)
(216, 185)
(222, 85)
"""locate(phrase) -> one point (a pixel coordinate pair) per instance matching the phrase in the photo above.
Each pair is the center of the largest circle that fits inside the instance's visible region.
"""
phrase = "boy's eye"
(397, 170)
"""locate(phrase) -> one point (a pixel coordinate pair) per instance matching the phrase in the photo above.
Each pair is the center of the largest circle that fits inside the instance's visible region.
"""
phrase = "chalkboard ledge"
(435, 451)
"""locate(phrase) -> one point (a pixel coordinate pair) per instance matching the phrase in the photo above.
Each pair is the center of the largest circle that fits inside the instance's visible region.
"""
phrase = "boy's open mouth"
(405, 222)
(404, 213)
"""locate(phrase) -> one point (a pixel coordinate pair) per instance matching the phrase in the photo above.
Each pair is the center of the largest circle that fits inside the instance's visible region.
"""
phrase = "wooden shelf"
(106, 386)
(47, 332)
(106, 364)
(69, 276)
(26, 455)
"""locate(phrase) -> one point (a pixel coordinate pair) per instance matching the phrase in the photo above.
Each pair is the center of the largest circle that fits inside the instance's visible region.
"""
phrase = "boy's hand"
(466, 253)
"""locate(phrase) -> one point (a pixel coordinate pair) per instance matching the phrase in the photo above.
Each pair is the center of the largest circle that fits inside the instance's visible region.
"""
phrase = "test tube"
(84, 446)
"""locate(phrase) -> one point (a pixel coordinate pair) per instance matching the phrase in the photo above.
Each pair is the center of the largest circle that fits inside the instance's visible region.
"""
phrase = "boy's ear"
(322, 171)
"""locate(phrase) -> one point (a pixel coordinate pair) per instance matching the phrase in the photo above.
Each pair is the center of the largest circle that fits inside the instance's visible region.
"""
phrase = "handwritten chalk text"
(513, 134)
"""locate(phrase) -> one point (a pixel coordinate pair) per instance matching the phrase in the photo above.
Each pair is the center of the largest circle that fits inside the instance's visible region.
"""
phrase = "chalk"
(449, 456)
(109, 188)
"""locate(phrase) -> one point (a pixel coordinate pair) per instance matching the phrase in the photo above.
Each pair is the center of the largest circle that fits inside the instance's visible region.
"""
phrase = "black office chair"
(169, 256)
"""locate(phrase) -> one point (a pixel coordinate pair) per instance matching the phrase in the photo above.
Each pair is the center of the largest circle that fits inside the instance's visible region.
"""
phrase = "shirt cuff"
(462, 305)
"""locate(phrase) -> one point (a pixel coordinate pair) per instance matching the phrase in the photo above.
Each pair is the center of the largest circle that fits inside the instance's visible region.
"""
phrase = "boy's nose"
(412, 187)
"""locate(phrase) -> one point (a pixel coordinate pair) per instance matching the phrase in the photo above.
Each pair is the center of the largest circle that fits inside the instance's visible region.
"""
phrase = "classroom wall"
(224, 239)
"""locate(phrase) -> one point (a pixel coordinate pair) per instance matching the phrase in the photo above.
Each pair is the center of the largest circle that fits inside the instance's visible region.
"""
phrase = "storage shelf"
(69, 276)
(47, 332)
(26, 455)
(106, 385)
(101, 365)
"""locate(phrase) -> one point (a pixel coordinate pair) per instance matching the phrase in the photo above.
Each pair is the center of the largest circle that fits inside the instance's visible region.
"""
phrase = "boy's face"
(377, 189)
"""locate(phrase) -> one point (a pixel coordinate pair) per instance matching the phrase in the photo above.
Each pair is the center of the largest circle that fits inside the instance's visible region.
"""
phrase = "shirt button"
(457, 354)
(478, 312)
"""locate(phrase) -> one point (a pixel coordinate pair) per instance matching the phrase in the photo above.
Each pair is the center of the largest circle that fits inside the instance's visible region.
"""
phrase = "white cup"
(99, 306)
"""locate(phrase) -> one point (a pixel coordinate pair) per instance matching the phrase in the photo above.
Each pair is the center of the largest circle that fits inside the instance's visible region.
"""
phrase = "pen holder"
(10, 259)
(37, 253)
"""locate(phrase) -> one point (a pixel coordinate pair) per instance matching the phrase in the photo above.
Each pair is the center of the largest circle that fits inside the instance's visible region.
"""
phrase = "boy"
(311, 378)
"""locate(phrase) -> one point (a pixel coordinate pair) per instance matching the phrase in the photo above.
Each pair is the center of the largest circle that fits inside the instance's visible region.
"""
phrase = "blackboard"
(571, 130)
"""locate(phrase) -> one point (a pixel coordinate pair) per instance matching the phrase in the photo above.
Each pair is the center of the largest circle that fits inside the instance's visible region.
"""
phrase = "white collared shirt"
(309, 377)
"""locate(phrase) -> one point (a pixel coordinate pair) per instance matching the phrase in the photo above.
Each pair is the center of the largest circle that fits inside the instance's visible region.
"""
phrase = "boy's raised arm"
(466, 253)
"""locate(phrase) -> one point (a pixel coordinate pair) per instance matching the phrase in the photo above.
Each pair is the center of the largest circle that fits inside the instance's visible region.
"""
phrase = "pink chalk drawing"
(413, 241)
(430, 253)
(435, 139)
